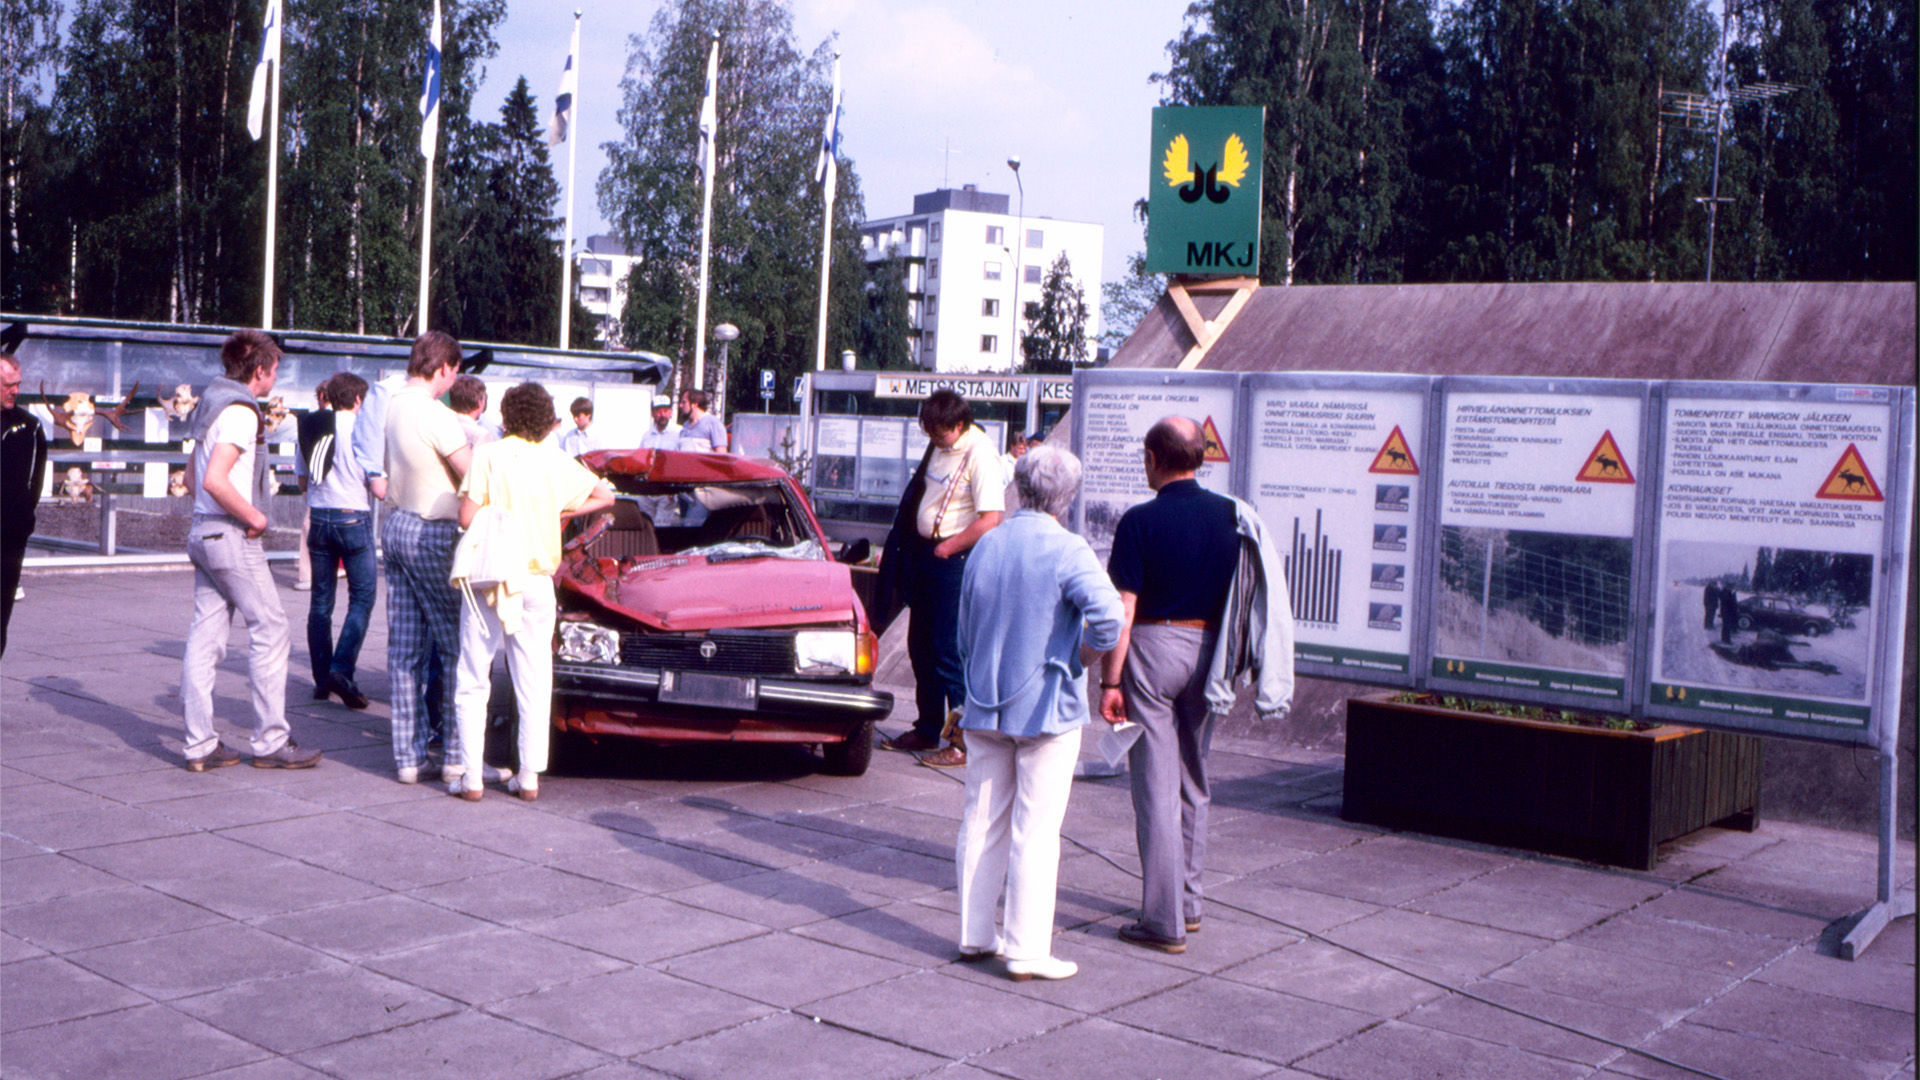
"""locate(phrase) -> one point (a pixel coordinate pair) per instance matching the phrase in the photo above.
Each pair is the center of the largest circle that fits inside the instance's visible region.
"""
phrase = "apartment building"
(973, 266)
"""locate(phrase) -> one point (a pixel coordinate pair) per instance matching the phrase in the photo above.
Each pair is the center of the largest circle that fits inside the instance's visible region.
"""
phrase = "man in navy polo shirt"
(1173, 561)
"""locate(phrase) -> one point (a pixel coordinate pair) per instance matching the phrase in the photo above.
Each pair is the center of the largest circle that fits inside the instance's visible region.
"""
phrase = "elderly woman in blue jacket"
(1036, 608)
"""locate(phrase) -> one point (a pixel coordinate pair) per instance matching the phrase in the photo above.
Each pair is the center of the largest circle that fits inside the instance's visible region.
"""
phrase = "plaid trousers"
(423, 614)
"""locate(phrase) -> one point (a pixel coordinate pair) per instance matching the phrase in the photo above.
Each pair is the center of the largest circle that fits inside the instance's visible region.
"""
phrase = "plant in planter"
(1608, 789)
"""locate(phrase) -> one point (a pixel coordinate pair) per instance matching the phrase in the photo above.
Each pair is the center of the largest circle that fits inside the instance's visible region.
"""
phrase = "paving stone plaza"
(727, 912)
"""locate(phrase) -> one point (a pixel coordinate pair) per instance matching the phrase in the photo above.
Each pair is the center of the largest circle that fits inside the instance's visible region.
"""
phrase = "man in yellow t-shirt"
(539, 486)
(964, 498)
(427, 455)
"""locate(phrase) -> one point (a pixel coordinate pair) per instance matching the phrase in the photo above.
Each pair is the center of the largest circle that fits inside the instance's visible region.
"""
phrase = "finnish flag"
(269, 54)
(829, 164)
(569, 86)
(710, 111)
(430, 91)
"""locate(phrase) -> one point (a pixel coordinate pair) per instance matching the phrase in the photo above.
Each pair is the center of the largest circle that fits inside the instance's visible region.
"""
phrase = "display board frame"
(1344, 661)
(1226, 481)
(1625, 400)
(1881, 669)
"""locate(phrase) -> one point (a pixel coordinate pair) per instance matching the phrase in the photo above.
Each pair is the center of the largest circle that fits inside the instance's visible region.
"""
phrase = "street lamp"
(1019, 243)
(724, 333)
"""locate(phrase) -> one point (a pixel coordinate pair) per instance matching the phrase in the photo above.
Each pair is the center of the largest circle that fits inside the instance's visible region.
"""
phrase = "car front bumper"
(605, 687)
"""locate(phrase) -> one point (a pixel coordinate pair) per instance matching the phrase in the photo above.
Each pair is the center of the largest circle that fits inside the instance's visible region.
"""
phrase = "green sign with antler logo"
(1203, 210)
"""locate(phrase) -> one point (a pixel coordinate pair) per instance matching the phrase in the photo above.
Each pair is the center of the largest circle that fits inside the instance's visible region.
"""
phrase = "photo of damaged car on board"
(706, 606)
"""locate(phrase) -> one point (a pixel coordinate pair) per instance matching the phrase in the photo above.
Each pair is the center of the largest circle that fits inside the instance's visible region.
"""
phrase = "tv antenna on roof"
(1707, 114)
(946, 160)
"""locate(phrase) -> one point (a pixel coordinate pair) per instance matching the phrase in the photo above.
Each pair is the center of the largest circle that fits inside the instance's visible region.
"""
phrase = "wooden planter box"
(1608, 796)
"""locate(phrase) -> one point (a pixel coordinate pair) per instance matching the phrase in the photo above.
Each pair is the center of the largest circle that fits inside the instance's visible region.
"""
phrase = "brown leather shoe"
(219, 757)
(909, 742)
(950, 758)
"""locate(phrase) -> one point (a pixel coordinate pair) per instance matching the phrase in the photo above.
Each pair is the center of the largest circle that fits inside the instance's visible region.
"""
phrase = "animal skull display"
(76, 487)
(181, 404)
(77, 417)
(78, 414)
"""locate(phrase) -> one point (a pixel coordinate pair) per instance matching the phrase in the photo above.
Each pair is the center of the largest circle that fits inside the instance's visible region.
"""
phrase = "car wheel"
(1814, 629)
(1746, 622)
(850, 758)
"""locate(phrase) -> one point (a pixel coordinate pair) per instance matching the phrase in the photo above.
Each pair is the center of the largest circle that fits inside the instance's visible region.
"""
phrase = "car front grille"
(734, 652)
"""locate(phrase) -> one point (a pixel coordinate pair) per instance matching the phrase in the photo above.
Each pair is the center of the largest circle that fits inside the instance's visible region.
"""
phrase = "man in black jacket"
(23, 468)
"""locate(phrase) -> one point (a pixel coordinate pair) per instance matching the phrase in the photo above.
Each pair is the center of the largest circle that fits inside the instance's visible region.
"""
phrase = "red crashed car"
(707, 607)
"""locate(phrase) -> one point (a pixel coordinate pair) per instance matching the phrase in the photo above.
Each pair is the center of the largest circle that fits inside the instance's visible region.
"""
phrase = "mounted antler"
(119, 412)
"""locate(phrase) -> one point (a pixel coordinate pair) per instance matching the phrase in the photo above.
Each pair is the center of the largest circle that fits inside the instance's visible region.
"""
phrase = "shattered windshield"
(721, 522)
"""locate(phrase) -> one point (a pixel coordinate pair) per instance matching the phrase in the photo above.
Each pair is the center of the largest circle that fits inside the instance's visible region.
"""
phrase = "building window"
(1032, 275)
(990, 308)
(989, 343)
(932, 302)
(933, 269)
(933, 232)
(1036, 238)
(993, 270)
(996, 234)
(926, 340)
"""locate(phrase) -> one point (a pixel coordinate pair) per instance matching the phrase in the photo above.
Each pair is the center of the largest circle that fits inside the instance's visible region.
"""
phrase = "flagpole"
(709, 155)
(573, 154)
(830, 176)
(273, 195)
(429, 148)
(426, 246)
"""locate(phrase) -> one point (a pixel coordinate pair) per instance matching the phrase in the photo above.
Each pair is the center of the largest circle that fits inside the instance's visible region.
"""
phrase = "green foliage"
(1056, 338)
(885, 334)
(351, 182)
(502, 280)
(765, 261)
(1528, 140)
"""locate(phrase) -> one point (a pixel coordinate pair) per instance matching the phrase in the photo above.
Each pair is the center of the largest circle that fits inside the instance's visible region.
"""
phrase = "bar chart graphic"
(1313, 575)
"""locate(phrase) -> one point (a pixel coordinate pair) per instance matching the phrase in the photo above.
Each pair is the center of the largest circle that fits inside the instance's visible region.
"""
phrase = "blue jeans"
(340, 537)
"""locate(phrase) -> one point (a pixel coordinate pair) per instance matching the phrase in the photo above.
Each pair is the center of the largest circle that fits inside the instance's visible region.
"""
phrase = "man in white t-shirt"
(228, 479)
(665, 434)
(703, 433)
(426, 456)
(964, 497)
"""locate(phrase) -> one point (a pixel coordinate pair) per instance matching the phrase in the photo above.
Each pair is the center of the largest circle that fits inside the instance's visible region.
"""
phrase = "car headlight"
(585, 643)
(824, 652)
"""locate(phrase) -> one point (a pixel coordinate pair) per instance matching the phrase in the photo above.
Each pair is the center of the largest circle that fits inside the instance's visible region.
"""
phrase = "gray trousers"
(1165, 685)
(230, 577)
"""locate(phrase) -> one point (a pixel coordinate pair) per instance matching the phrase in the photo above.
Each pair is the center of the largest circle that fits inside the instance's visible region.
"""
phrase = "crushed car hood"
(685, 593)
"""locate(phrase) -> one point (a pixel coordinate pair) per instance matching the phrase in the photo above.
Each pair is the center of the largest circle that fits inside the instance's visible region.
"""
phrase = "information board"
(1113, 412)
(836, 453)
(1537, 508)
(883, 463)
(1776, 506)
(1334, 466)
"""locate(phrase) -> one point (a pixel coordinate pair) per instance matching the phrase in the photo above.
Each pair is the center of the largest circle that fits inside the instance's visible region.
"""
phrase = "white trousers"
(529, 660)
(1010, 839)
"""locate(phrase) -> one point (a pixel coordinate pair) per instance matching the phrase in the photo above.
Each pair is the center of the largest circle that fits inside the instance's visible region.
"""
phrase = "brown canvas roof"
(1792, 332)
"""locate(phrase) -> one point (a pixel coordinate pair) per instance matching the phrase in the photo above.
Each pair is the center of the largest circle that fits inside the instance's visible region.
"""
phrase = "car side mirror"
(857, 552)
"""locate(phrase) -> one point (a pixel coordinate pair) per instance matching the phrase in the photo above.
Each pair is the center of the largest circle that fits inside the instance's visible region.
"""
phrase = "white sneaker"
(526, 785)
(1047, 967)
(407, 774)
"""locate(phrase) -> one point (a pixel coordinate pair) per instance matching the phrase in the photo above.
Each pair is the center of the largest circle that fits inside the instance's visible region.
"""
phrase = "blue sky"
(1060, 83)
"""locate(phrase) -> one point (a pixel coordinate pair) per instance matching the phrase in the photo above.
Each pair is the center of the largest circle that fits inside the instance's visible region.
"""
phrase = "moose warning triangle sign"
(1606, 465)
(1850, 480)
(1395, 456)
(1216, 450)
